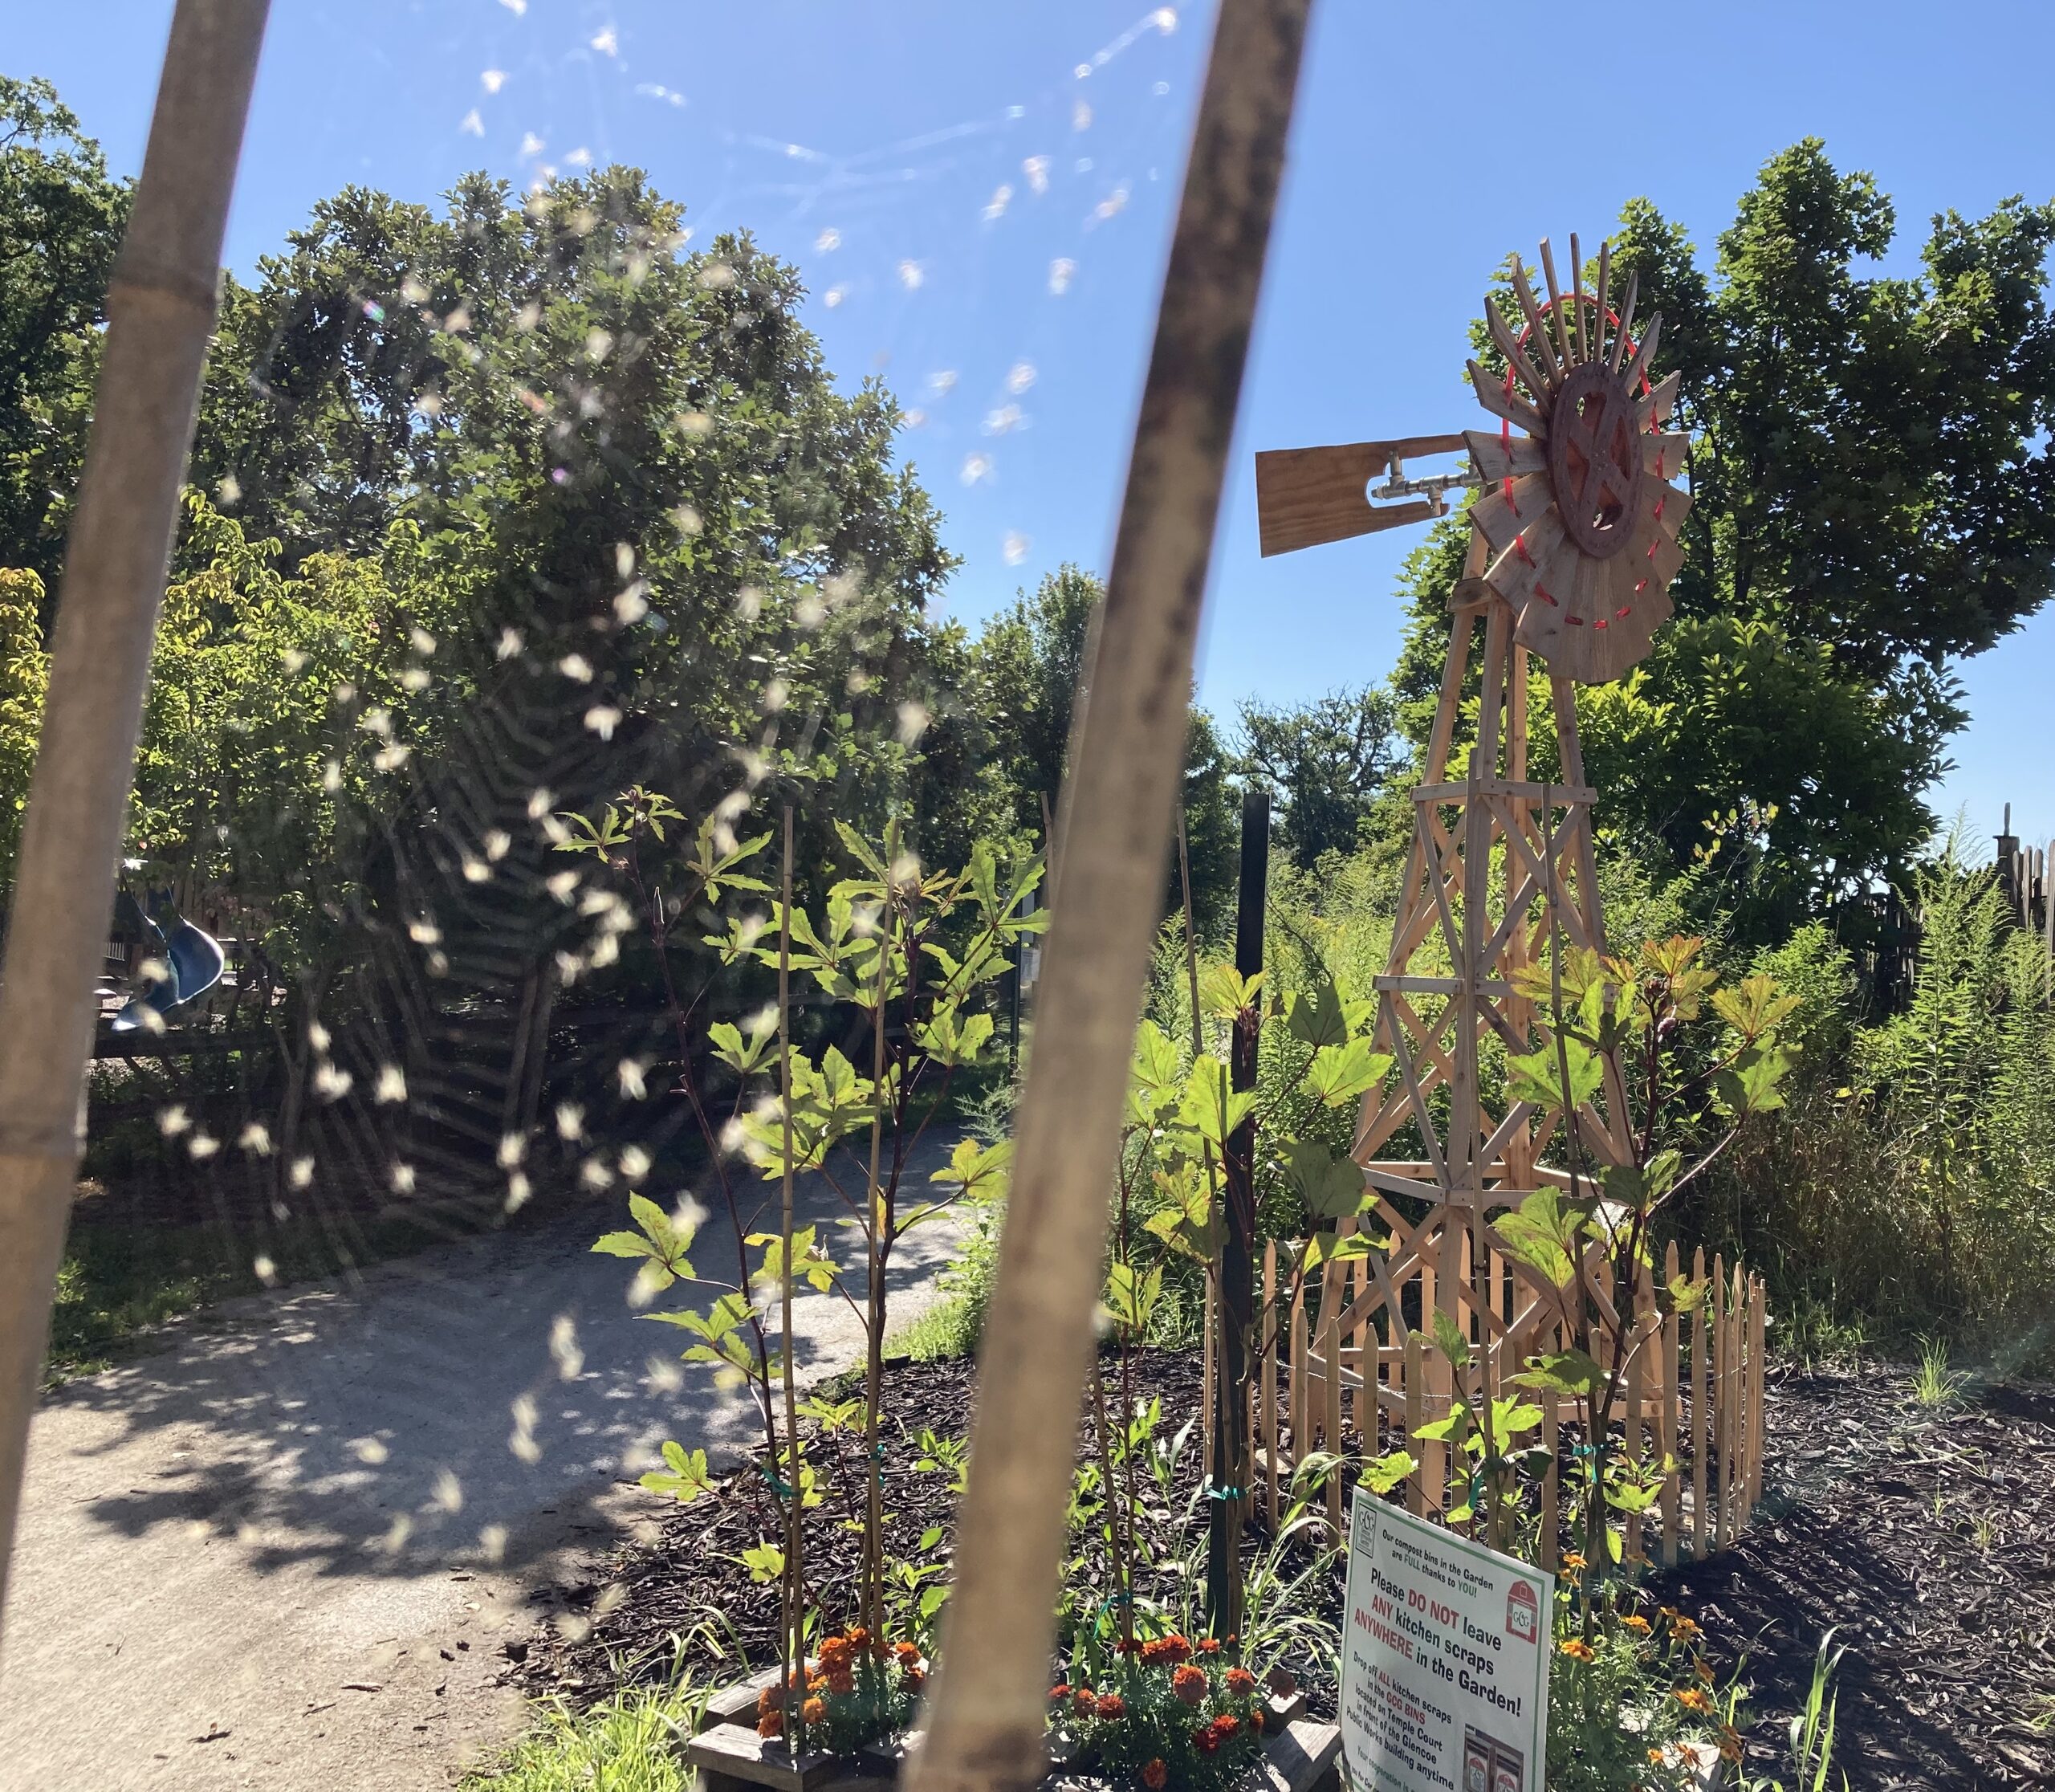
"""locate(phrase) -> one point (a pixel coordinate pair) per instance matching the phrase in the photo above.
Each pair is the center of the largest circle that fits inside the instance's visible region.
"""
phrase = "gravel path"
(285, 1551)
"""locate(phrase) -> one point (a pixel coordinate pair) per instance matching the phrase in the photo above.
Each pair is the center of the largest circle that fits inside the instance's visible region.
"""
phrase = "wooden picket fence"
(1692, 1393)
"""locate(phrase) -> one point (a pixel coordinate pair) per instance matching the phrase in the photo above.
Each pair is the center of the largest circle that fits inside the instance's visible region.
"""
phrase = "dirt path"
(284, 1553)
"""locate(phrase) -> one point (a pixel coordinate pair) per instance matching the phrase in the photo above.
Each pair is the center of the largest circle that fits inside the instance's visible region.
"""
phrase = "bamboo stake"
(792, 1652)
(985, 1714)
(162, 304)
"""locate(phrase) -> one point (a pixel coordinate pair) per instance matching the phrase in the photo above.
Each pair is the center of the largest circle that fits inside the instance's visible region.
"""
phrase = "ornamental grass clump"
(1164, 1712)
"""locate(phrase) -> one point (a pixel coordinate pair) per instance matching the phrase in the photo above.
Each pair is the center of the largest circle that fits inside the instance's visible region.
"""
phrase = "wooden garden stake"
(161, 303)
(985, 1718)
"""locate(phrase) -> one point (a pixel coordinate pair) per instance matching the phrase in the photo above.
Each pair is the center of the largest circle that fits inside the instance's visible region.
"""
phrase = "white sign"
(1444, 1660)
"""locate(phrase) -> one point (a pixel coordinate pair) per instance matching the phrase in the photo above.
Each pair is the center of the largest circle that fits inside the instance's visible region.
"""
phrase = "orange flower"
(1578, 1650)
(1730, 1747)
(858, 1637)
(815, 1711)
(1112, 1705)
(1171, 1648)
(1572, 1560)
(1240, 1681)
(1227, 1724)
(1155, 1776)
(1084, 1701)
(1255, 1719)
(767, 1700)
(908, 1653)
(915, 1679)
(1684, 1626)
(1059, 1692)
(1206, 1739)
(841, 1682)
(1188, 1684)
(1633, 1621)
(1209, 1645)
(1692, 1699)
(770, 1723)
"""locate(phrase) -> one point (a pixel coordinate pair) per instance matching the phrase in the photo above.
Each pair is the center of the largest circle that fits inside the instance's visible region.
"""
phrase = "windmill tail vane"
(1577, 521)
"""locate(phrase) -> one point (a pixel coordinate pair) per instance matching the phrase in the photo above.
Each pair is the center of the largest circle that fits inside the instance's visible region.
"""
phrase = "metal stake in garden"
(1572, 547)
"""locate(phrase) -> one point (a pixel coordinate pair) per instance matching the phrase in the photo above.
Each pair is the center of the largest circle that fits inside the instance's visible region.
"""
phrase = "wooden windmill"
(1572, 546)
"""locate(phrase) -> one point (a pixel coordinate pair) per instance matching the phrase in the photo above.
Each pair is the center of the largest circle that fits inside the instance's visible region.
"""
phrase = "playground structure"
(1572, 546)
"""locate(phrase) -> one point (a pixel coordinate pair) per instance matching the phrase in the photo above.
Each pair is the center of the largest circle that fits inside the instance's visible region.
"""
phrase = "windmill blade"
(1305, 496)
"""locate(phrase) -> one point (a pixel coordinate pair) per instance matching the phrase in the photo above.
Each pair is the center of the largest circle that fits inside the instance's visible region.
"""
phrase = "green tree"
(1871, 492)
(1326, 761)
(61, 219)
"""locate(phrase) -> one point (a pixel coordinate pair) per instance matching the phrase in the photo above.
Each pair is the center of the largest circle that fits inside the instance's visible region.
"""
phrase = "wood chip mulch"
(1925, 1538)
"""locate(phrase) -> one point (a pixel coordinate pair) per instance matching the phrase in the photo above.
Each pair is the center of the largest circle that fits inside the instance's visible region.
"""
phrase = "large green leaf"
(1339, 1073)
(1331, 1186)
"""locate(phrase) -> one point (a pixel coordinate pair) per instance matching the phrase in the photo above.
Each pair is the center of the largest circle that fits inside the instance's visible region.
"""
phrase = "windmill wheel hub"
(1595, 459)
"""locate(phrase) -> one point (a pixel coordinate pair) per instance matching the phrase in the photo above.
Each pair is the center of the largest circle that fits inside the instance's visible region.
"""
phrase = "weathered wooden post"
(1231, 1462)
(161, 305)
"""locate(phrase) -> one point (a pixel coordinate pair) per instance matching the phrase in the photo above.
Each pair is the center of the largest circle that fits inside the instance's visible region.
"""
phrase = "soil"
(1924, 1537)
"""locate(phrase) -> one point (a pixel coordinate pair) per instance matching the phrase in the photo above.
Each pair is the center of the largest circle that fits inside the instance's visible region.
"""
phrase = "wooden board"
(730, 1755)
(1499, 457)
(1305, 496)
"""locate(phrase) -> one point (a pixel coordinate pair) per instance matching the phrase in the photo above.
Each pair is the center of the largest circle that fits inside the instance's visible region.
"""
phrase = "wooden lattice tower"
(1573, 548)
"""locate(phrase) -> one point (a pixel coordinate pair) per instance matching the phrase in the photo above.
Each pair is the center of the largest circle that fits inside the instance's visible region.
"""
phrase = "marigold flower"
(1692, 1699)
(907, 1652)
(1572, 1560)
(767, 1700)
(1658, 1757)
(1156, 1775)
(1085, 1701)
(1684, 1626)
(1188, 1684)
(1227, 1724)
(1206, 1739)
(1209, 1645)
(770, 1723)
(815, 1711)
(1729, 1748)
(1240, 1681)
(1059, 1692)
(1703, 1672)
(1578, 1650)
(858, 1637)
(841, 1682)
(1171, 1648)
(1633, 1621)
(1112, 1705)
(1255, 1719)
(915, 1678)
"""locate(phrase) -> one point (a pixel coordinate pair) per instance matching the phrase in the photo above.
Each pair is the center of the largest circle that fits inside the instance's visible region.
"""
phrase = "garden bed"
(1927, 1534)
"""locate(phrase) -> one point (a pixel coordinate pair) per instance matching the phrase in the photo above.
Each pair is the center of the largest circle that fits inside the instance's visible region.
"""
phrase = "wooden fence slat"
(1722, 1400)
(1268, 1433)
(1331, 1321)
(1415, 1377)
(1701, 1532)
(1672, 1484)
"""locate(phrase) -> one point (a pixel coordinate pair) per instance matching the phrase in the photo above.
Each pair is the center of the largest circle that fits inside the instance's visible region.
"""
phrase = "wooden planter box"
(1302, 1754)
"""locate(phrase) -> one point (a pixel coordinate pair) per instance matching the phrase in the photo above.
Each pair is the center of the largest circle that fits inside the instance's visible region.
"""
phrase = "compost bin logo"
(1522, 1615)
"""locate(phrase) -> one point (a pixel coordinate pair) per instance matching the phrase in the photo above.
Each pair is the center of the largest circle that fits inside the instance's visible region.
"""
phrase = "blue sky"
(978, 193)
